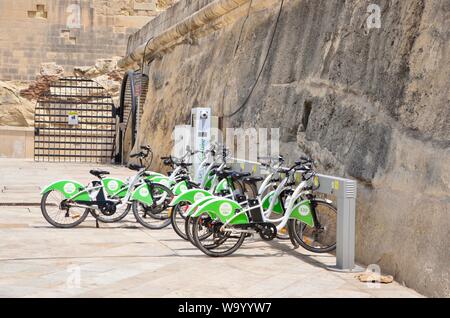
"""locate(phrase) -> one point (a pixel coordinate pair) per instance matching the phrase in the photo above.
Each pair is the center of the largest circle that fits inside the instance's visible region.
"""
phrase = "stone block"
(149, 6)
(119, 29)
(16, 142)
(131, 21)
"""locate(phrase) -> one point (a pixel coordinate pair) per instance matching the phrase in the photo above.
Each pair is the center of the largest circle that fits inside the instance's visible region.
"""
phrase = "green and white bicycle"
(67, 203)
(243, 197)
(216, 179)
(220, 225)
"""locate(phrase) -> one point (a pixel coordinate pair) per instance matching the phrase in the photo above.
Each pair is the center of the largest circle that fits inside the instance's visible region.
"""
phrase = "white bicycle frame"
(266, 184)
(298, 192)
(136, 180)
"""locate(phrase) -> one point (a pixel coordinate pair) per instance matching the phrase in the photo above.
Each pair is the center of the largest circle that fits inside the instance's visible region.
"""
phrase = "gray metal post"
(345, 240)
(345, 192)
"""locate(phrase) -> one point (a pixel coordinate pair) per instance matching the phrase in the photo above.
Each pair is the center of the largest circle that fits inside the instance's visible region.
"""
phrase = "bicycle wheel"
(237, 187)
(116, 217)
(61, 218)
(155, 216)
(250, 190)
(188, 224)
(203, 231)
(283, 233)
(178, 220)
(217, 243)
(322, 237)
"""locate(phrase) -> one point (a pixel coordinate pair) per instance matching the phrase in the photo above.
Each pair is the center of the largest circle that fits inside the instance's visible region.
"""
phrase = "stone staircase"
(23, 195)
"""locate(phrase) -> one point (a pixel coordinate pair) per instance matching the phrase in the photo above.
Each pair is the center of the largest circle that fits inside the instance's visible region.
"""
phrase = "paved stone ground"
(126, 260)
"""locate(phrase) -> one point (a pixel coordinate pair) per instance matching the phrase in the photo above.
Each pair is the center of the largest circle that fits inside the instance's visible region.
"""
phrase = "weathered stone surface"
(52, 31)
(48, 73)
(17, 100)
(101, 66)
(106, 73)
(51, 69)
(14, 110)
(109, 84)
(369, 104)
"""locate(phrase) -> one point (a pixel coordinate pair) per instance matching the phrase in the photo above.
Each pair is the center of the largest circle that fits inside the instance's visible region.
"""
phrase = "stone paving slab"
(22, 180)
(127, 260)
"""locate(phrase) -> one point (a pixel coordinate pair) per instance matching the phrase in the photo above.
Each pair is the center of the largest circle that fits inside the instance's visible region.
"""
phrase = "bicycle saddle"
(135, 167)
(98, 173)
(253, 179)
(223, 173)
(239, 175)
(283, 170)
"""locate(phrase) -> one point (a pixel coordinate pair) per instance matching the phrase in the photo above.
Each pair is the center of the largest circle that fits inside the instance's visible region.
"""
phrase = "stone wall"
(368, 104)
(37, 31)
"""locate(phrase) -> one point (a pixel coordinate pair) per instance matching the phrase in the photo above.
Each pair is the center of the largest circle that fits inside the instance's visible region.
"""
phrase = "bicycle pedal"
(75, 216)
(283, 230)
(307, 240)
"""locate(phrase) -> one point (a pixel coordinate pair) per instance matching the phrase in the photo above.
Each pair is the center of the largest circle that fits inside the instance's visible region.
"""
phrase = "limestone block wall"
(16, 142)
(68, 32)
(368, 104)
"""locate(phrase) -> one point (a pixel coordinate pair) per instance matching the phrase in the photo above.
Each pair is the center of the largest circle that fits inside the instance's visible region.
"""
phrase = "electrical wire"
(262, 67)
(143, 56)
(242, 27)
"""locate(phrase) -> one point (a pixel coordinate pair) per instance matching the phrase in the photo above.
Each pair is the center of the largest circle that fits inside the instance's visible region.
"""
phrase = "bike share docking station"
(345, 192)
(200, 133)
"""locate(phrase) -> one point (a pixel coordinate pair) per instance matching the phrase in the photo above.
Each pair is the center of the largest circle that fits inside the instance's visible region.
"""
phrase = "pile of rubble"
(48, 73)
(17, 99)
(106, 73)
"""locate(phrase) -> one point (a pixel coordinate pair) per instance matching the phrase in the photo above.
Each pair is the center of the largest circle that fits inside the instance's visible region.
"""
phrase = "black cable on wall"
(240, 108)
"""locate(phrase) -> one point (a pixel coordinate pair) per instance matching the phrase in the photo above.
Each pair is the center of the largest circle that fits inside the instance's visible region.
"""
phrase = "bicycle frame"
(136, 180)
(283, 220)
(222, 208)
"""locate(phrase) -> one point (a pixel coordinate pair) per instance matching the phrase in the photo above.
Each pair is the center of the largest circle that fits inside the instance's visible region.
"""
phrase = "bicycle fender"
(180, 187)
(142, 194)
(224, 209)
(164, 180)
(114, 187)
(190, 196)
(221, 186)
(69, 189)
(302, 212)
(277, 208)
(193, 207)
(152, 174)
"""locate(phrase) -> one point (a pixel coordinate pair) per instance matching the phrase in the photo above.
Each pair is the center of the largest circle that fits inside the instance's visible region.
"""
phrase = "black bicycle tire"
(99, 217)
(211, 252)
(142, 222)
(305, 245)
(176, 228)
(59, 225)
